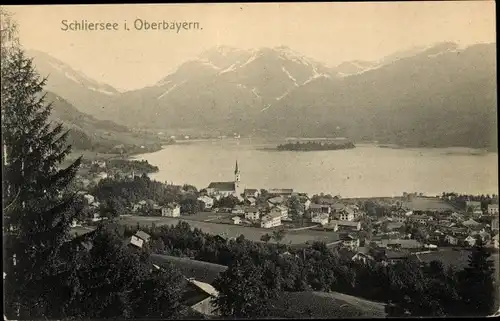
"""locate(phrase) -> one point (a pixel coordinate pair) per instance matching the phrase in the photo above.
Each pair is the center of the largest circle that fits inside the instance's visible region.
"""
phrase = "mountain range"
(436, 96)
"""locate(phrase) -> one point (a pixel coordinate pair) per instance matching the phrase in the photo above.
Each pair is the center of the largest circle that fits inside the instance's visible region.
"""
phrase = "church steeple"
(236, 173)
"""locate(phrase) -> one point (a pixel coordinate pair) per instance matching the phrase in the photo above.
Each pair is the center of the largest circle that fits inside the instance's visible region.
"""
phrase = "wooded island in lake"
(315, 146)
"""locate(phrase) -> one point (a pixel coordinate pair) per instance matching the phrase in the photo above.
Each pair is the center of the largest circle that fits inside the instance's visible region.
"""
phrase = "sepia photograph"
(329, 160)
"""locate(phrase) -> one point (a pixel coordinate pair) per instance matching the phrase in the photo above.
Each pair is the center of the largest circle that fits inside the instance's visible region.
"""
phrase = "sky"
(328, 32)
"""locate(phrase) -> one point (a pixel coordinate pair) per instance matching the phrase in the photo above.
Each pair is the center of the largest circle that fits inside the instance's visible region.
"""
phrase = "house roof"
(470, 222)
(358, 254)
(318, 206)
(205, 198)
(251, 209)
(338, 206)
(344, 223)
(207, 288)
(250, 190)
(271, 216)
(322, 216)
(403, 243)
(281, 191)
(236, 218)
(199, 270)
(394, 225)
(327, 200)
(324, 305)
(143, 235)
(276, 200)
(348, 210)
(223, 186)
(396, 254)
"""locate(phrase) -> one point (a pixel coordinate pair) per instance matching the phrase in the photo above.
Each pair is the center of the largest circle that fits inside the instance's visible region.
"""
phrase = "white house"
(470, 240)
(316, 209)
(495, 241)
(271, 220)
(347, 214)
(251, 200)
(321, 218)
(171, 210)
(208, 201)
(236, 220)
(205, 306)
(280, 210)
(99, 163)
(281, 191)
(307, 204)
(102, 175)
(274, 201)
(250, 192)
(75, 223)
(344, 225)
(350, 241)
(139, 239)
(238, 210)
(89, 199)
(96, 217)
(362, 257)
(493, 209)
(252, 213)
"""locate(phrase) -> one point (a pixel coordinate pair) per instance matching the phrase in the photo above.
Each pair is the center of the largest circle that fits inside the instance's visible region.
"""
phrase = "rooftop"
(223, 186)
(344, 223)
(143, 235)
(281, 191)
(199, 270)
(318, 206)
(271, 216)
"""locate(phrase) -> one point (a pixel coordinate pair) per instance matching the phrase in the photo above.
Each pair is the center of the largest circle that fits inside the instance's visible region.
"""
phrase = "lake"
(366, 171)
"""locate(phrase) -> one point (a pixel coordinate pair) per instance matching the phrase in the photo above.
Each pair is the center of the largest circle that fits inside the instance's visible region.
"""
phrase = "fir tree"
(36, 209)
(477, 283)
(245, 290)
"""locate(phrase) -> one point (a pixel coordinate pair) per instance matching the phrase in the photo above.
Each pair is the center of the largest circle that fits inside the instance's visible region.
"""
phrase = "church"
(223, 189)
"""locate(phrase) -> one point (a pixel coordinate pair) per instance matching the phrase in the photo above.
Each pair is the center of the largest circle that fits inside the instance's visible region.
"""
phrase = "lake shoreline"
(358, 173)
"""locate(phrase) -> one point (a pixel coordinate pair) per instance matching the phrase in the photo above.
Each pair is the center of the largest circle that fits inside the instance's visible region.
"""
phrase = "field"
(429, 204)
(250, 233)
(324, 305)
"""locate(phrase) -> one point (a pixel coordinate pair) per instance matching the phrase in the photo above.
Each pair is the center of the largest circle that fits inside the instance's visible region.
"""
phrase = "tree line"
(315, 146)
(411, 288)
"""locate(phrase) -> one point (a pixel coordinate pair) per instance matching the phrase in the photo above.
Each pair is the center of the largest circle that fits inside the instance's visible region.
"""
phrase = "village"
(409, 223)
(387, 230)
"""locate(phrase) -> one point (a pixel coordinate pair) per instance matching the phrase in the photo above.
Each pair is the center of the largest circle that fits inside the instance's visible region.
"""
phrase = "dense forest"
(315, 146)
(420, 290)
(128, 166)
